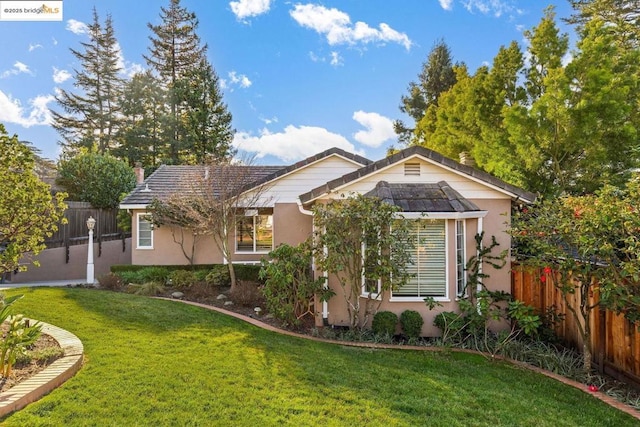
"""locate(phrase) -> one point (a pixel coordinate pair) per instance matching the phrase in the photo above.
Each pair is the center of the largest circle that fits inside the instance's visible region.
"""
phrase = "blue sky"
(298, 77)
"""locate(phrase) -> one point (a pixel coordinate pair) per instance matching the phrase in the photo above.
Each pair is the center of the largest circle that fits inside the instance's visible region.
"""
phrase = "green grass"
(154, 362)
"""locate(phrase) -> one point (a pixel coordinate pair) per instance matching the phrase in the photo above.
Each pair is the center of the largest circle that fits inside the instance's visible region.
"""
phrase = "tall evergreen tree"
(143, 108)
(206, 122)
(437, 76)
(174, 53)
(90, 118)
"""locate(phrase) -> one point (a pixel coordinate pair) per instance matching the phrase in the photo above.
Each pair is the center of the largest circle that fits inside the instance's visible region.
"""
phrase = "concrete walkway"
(10, 285)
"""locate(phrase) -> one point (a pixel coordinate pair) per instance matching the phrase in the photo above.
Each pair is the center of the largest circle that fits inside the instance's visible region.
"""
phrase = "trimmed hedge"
(249, 272)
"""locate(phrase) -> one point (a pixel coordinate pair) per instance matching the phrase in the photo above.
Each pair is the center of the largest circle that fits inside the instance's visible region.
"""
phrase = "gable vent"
(412, 169)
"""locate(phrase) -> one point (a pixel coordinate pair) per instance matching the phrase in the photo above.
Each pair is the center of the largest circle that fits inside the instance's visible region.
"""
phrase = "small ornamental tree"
(96, 178)
(593, 244)
(365, 244)
(290, 290)
(28, 212)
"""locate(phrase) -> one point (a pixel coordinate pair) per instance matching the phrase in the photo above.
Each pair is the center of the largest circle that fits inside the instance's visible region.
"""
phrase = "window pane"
(428, 275)
(244, 234)
(145, 232)
(264, 233)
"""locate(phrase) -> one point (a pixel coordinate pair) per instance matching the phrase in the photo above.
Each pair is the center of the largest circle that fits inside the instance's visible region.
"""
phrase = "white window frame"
(143, 217)
(461, 249)
(254, 251)
(445, 297)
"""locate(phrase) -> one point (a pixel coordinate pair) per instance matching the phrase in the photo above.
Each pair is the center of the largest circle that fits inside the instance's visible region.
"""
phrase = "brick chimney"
(139, 171)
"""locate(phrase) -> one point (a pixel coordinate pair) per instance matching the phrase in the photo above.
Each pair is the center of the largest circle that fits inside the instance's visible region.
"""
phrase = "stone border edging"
(49, 378)
(598, 395)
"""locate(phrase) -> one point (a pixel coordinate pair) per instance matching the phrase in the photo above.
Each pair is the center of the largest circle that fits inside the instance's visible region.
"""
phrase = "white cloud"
(378, 129)
(76, 27)
(495, 7)
(11, 110)
(33, 47)
(336, 59)
(18, 68)
(337, 28)
(294, 143)
(235, 79)
(244, 9)
(446, 4)
(267, 120)
(60, 76)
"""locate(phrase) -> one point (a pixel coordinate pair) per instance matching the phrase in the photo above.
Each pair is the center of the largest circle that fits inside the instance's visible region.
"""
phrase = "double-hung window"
(428, 268)
(254, 233)
(145, 231)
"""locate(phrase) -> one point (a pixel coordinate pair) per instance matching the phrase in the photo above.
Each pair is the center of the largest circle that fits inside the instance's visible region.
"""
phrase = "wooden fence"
(75, 231)
(615, 342)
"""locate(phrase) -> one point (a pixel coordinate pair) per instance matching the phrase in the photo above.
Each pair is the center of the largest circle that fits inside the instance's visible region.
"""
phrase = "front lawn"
(154, 362)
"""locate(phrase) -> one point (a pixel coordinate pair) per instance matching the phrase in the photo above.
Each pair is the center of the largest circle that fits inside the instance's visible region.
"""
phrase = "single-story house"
(449, 202)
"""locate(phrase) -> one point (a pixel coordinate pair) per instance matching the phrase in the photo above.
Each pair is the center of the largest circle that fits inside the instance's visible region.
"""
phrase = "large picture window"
(429, 261)
(145, 232)
(254, 233)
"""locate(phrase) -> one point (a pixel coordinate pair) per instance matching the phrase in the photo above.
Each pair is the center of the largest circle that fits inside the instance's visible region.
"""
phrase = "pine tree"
(207, 122)
(174, 52)
(90, 118)
(141, 136)
(436, 77)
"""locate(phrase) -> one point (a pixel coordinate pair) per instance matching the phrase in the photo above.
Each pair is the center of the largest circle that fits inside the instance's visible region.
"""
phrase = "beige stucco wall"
(493, 224)
(53, 265)
(289, 226)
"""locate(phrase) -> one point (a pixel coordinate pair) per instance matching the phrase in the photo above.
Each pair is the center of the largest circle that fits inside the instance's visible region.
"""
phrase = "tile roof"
(168, 180)
(438, 197)
(473, 173)
(172, 179)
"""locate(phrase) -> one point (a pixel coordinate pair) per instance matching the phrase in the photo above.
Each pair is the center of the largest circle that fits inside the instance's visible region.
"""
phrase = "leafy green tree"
(620, 16)
(207, 122)
(589, 249)
(140, 135)
(90, 118)
(290, 290)
(28, 212)
(99, 179)
(362, 237)
(437, 76)
(451, 127)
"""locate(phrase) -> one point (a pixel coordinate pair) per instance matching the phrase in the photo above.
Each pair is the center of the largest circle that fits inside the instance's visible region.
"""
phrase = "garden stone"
(269, 316)
(177, 295)
(226, 303)
(221, 297)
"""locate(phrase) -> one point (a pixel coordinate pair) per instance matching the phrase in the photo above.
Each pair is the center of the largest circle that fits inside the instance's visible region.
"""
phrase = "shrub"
(451, 325)
(247, 272)
(246, 294)
(130, 277)
(218, 276)
(147, 288)
(411, 323)
(154, 274)
(201, 274)
(182, 279)
(384, 323)
(290, 290)
(111, 282)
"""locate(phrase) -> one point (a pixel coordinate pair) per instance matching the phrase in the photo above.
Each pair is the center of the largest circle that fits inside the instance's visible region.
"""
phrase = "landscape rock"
(226, 303)
(221, 297)
(177, 295)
